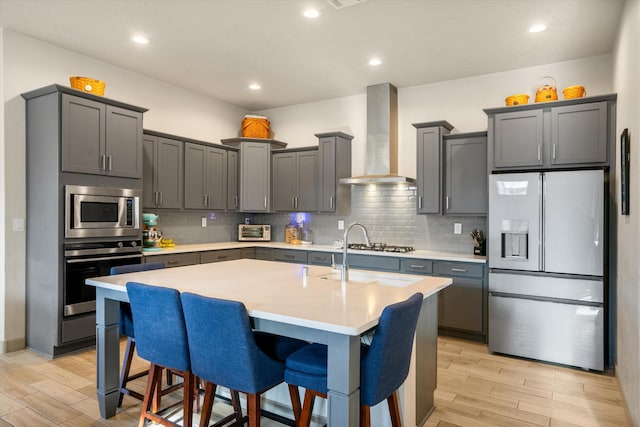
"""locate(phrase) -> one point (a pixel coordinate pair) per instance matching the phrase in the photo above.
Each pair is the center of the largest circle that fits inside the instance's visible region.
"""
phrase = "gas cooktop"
(380, 247)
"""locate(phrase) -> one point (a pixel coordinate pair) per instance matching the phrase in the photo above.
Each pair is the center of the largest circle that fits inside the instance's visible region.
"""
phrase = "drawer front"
(460, 269)
(370, 262)
(248, 253)
(290, 255)
(176, 260)
(319, 258)
(221, 255)
(416, 266)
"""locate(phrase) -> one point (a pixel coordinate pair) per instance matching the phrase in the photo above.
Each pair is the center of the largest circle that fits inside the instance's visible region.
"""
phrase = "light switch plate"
(204, 221)
(341, 224)
(457, 228)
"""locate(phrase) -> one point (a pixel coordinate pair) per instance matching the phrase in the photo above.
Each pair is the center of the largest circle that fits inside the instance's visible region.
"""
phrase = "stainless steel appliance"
(254, 232)
(92, 259)
(101, 212)
(379, 247)
(546, 252)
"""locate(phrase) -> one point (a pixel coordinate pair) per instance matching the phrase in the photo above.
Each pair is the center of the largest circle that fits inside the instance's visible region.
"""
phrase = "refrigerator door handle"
(545, 299)
(541, 219)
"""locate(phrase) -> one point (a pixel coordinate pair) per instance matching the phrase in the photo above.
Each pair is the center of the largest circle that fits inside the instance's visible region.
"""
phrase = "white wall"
(29, 64)
(460, 102)
(627, 85)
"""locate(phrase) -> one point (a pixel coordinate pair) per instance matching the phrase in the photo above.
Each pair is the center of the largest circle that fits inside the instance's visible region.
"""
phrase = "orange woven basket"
(519, 99)
(253, 127)
(87, 84)
(574, 92)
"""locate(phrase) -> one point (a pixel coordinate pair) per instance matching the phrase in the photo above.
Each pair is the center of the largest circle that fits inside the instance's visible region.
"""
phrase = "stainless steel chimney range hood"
(382, 138)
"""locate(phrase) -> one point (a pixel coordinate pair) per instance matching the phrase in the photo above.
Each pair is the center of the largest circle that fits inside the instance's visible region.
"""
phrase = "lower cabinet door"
(461, 305)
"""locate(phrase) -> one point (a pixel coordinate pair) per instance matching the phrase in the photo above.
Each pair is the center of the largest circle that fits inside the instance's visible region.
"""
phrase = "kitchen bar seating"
(224, 351)
(126, 329)
(161, 337)
(384, 365)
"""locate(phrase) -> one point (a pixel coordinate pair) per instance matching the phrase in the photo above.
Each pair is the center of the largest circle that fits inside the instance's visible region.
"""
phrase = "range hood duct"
(382, 138)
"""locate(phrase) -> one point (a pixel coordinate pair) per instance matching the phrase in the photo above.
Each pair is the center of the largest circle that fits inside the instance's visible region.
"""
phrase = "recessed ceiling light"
(537, 28)
(140, 39)
(311, 13)
(375, 61)
(255, 86)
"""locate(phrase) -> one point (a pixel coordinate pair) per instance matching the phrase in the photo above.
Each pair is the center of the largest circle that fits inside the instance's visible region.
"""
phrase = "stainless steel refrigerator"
(546, 260)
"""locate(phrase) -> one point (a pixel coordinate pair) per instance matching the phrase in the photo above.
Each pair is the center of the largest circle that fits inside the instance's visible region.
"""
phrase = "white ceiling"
(218, 47)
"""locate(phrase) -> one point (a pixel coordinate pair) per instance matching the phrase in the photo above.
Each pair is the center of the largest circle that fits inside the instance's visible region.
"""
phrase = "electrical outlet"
(341, 224)
(457, 228)
(204, 221)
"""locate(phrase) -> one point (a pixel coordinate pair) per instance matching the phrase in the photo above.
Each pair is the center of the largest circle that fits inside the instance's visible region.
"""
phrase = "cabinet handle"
(160, 194)
(331, 202)
(419, 202)
(109, 163)
(459, 270)
(235, 198)
(223, 256)
(293, 202)
(265, 203)
(447, 203)
(553, 154)
(416, 266)
(296, 202)
(539, 153)
(173, 262)
(289, 256)
(102, 162)
(155, 197)
(204, 200)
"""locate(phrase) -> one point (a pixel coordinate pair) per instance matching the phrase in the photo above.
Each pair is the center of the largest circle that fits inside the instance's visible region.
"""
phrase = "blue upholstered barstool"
(126, 329)
(161, 338)
(384, 365)
(225, 351)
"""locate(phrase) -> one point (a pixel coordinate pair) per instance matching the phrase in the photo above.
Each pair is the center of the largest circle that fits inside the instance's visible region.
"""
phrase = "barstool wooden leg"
(365, 416)
(294, 393)
(253, 409)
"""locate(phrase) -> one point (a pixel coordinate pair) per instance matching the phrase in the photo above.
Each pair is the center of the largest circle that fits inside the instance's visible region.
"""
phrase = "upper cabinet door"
(83, 135)
(466, 175)
(194, 176)
(307, 198)
(255, 176)
(285, 182)
(123, 147)
(216, 178)
(233, 195)
(168, 172)
(518, 139)
(428, 168)
(579, 134)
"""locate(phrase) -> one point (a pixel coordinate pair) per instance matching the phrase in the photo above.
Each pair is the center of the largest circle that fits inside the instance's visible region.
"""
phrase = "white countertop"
(282, 292)
(417, 254)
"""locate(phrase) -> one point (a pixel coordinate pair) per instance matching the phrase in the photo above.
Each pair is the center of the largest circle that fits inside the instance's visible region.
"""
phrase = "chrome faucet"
(344, 269)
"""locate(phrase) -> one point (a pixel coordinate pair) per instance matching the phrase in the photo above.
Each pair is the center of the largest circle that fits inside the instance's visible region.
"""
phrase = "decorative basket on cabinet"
(87, 84)
(255, 127)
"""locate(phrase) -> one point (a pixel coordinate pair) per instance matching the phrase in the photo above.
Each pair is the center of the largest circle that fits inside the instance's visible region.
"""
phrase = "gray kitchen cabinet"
(416, 266)
(570, 133)
(462, 305)
(99, 138)
(370, 262)
(334, 163)
(289, 255)
(163, 177)
(233, 190)
(465, 174)
(220, 255)
(64, 136)
(295, 180)
(429, 161)
(176, 260)
(265, 254)
(255, 172)
(319, 258)
(205, 178)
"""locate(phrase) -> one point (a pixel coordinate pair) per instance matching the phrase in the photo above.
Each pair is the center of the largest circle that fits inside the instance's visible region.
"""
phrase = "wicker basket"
(574, 92)
(87, 85)
(519, 99)
(254, 127)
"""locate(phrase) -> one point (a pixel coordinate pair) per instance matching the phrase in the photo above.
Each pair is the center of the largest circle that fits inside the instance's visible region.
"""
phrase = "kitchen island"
(306, 302)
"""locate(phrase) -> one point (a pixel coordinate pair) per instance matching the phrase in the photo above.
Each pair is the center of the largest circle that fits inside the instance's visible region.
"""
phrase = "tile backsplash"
(388, 212)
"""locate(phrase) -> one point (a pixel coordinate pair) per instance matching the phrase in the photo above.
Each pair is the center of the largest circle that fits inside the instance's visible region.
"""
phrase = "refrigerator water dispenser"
(514, 239)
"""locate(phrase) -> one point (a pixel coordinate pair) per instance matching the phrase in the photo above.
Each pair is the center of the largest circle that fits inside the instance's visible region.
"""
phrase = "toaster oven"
(254, 233)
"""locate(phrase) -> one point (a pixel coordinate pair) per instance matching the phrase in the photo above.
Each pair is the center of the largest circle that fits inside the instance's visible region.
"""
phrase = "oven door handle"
(103, 258)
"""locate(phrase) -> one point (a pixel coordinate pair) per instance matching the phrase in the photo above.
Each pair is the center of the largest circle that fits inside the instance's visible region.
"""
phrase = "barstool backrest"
(385, 365)
(161, 334)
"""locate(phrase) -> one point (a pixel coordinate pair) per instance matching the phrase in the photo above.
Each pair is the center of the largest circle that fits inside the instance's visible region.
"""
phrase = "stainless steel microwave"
(101, 212)
(254, 232)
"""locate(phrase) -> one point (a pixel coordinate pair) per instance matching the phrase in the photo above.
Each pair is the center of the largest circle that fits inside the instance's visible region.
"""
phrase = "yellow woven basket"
(253, 127)
(574, 92)
(519, 99)
(87, 85)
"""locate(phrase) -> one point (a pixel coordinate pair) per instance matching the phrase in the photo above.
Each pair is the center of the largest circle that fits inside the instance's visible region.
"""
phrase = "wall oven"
(101, 212)
(92, 259)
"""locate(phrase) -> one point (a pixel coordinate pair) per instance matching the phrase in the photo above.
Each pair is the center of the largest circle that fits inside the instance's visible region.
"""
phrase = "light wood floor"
(474, 389)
